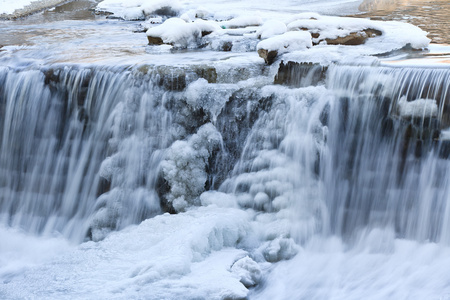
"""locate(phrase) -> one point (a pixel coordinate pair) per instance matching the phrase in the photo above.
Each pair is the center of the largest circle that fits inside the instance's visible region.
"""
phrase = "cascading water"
(58, 126)
(388, 159)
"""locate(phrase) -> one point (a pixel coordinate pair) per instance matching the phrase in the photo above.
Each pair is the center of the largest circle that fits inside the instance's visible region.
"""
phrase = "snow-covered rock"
(179, 33)
(270, 48)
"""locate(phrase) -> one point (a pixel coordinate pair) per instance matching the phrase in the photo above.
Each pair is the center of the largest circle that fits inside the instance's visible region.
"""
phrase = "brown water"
(432, 16)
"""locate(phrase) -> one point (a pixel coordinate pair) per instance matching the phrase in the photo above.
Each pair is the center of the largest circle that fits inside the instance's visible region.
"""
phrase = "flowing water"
(341, 170)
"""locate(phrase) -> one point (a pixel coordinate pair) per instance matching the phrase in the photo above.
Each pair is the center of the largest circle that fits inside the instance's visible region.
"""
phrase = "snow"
(331, 27)
(289, 41)
(242, 21)
(18, 8)
(271, 28)
(185, 166)
(177, 32)
(137, 9)
(9, 6)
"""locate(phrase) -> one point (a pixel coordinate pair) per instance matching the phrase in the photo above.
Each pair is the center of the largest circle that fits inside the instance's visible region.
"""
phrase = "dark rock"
(226, 46)
(205, 33)
(268, 56)
(165, 11)
(155, 40)
(208, 73)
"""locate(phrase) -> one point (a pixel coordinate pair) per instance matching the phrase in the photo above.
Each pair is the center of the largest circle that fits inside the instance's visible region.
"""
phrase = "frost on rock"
(241, 22)
(185, 165)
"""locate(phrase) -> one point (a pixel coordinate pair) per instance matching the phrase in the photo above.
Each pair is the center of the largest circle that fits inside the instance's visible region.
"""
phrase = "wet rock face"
(300, 74)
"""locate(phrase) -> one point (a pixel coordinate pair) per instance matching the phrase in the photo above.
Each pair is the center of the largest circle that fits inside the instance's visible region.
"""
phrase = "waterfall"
(81, 147)
(388, 161)
(58, 126)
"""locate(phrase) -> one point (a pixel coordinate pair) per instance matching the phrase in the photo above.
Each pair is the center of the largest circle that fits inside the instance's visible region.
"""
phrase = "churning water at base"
(360, 155)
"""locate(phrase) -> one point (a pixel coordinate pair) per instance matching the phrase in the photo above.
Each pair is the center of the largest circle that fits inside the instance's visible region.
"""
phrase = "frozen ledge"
(21, 9)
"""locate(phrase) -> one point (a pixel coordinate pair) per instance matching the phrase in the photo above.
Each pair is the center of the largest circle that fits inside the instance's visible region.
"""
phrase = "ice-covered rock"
(185, 167)
(242, 21)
